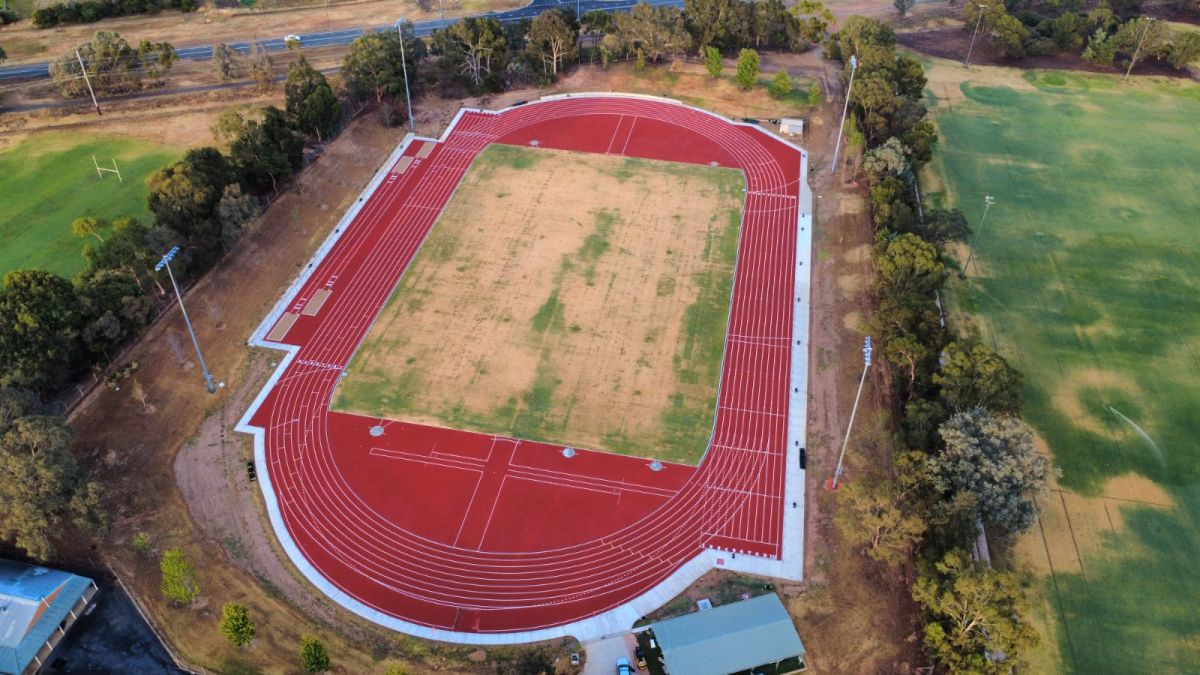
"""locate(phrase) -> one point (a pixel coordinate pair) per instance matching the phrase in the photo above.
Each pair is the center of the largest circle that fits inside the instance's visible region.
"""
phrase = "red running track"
(474, 533)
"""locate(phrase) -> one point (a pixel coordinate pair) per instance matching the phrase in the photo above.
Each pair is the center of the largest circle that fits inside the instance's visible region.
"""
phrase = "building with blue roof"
(38, 605)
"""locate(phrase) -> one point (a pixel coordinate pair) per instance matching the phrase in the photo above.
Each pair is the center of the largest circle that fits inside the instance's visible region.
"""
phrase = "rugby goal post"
(100, 169)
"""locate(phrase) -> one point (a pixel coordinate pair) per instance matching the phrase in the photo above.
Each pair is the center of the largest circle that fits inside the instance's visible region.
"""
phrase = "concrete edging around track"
(619, 619)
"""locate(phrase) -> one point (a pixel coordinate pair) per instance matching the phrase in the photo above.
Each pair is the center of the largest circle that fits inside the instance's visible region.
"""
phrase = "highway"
(346, 36)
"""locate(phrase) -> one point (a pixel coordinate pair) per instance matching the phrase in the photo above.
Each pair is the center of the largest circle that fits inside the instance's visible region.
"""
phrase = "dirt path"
(211, 473)
(857, 616)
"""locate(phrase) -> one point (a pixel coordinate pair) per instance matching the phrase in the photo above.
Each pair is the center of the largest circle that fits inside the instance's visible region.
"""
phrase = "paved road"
(346, 36)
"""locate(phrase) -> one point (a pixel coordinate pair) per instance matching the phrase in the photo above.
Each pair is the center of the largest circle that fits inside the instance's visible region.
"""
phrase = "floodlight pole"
(404, 65)
(166, 263)
(1133, 59)
(988, 200)
(834, 483)
(87, 79)
(967, 62)
(841, 127)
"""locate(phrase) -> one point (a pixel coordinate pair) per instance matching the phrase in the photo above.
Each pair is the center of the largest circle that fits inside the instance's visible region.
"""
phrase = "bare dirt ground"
(181, 122)
(558, 314)
(24, 43)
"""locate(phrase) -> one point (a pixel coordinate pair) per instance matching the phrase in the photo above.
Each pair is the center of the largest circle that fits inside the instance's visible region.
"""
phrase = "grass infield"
(49, 181)
(1089, 281)
(571, 298)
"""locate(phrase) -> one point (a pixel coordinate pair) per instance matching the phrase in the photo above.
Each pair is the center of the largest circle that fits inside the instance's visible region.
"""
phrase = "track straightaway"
(477, 538)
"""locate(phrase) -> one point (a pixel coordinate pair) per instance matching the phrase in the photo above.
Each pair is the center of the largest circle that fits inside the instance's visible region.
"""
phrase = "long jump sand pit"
(579, 299)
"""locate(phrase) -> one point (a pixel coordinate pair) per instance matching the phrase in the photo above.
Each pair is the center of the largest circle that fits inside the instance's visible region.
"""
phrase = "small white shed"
(791, 126)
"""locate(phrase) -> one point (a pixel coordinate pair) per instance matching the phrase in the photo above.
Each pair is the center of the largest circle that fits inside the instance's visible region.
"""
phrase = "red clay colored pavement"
(476, 533)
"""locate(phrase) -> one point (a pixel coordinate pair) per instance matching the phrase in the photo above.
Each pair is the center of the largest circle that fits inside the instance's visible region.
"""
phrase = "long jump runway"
(477, 538)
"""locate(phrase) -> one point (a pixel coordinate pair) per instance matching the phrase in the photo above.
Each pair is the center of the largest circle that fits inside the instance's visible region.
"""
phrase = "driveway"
(602, 654)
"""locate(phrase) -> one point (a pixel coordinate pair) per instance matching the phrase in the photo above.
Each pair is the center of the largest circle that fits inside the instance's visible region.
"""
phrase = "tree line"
(480, 54)
(91, 11)
(963, 457)
(1104, 35)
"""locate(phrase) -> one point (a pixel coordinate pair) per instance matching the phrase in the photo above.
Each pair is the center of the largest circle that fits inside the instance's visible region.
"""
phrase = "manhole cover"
(377, 430)
(568, 452)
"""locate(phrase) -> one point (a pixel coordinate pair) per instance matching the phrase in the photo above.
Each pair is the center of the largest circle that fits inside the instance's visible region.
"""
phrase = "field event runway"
(469, 537)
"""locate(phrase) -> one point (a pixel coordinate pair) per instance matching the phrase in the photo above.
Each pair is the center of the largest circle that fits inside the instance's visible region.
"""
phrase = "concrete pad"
(602, 654)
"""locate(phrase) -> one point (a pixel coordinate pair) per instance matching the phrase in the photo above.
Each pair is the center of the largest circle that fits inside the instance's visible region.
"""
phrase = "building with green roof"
(753, 636)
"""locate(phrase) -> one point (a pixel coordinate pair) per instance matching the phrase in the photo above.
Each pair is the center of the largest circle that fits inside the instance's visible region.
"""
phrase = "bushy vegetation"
(964, 459)
(179, 583)
(236, 625)
(1107, 34)
(42, 489)
(90, 11)
(112, 65)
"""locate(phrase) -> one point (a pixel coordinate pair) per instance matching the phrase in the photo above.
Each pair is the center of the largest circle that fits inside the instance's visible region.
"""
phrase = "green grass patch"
(549, 315)
(49, 181)
(1090, 284)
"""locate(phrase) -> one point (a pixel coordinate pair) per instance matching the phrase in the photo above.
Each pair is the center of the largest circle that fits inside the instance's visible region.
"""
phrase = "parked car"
(289, 40)
(623, 667)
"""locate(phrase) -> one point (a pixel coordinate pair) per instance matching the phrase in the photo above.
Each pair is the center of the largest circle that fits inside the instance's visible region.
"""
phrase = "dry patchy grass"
(593, 318)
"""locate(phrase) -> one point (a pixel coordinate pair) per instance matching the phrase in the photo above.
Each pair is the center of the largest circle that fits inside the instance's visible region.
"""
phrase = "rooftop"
(729, 638)
(25, 622)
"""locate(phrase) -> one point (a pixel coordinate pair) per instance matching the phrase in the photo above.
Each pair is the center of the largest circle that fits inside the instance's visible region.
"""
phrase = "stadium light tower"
(166, 263)
(967, 62)
(404, 65)
(834, 483)
(988, 200)
(842, 127)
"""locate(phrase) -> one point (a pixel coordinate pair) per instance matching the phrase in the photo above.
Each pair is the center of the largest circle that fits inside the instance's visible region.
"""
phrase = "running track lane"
(474, 533)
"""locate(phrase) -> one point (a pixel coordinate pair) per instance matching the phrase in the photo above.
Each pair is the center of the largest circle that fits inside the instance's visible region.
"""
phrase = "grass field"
(49, 181)
(593, 318)
(1089, 281)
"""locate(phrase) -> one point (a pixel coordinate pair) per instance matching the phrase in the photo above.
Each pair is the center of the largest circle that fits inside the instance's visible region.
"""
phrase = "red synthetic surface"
(469, 532)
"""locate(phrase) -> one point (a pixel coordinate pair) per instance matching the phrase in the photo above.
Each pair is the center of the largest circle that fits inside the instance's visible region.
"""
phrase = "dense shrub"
(90, 11)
